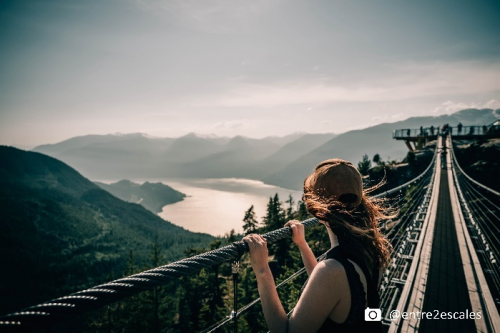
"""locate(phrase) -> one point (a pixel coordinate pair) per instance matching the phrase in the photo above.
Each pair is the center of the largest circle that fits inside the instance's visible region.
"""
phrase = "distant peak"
(141, 135)
(124, 182)
(238, 141)
(298, 133)
(189, 136)
(201, 136)
(238, 138)
(208, 136)
(149, 136)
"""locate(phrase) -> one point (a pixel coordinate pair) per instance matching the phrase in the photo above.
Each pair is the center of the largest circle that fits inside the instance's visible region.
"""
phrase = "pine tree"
(302, 214)
(231, 237)
(377, 159)
(156, 258)
(278, 214)
(250, 223)
(276, 219)
(131, 266)
(275, 216)
(364, 165)
(289, 210)
(213, 309)
(268, 219)
(193, 295)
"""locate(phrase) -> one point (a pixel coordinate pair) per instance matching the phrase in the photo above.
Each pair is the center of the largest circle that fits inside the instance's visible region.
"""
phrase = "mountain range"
(352, 145)
(278, 161)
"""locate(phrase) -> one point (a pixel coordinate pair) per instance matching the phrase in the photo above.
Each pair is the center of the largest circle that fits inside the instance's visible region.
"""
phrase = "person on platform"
(341, 294)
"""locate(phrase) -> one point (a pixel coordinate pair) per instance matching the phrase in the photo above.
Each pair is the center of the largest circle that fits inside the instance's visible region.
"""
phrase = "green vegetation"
(396, 173)
(195, 302)
(61, 233)
(250, 223)
(364, 165)
(152, 196)
(410, 157)
(479, 159)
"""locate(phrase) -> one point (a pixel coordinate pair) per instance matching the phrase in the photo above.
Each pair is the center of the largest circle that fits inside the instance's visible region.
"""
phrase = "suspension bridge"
(446, 243)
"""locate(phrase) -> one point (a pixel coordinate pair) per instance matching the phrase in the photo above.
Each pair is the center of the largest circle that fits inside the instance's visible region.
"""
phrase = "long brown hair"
(356, 226)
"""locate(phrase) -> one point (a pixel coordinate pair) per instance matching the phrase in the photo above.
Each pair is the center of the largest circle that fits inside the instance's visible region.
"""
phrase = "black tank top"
(355, 321)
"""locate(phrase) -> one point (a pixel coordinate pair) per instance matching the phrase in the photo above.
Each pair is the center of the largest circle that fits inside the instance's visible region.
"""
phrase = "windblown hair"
(356, 227)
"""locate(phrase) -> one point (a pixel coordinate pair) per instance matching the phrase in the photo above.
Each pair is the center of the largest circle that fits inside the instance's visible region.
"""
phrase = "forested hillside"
(152, 196)
(60, 232)
(196, 302)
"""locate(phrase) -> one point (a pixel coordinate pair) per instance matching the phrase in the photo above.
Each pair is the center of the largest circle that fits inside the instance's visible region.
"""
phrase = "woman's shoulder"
(330, 264)
(330, 270)
(326, 287)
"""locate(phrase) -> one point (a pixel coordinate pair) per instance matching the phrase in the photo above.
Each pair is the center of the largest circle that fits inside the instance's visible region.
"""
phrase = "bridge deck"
(446, 289)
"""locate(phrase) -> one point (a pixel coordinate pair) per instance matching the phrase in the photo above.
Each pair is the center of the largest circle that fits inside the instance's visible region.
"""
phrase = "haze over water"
(215, 206)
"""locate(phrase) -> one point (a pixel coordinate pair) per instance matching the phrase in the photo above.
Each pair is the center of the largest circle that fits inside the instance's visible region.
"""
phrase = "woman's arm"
(322, 293)
(275, 315)
(298, 236)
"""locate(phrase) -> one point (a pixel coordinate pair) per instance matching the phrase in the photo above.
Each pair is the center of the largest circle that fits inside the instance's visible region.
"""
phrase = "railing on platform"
(459, 131)
(413, 133)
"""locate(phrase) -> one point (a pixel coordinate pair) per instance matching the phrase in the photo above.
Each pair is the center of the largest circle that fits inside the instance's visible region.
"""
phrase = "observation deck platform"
(420, 137)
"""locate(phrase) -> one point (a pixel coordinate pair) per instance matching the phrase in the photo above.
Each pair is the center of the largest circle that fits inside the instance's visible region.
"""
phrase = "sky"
(237, 67)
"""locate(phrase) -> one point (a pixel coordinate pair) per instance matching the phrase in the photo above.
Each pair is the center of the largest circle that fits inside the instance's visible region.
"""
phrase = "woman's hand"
(298, 234)
(258, 252)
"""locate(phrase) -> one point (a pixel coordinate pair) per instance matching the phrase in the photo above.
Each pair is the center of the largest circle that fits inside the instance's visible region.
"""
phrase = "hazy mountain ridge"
(283, 140)
(239, 159)
(278, 161)
(82, 141)
(192, 155)
(66, 233)
(152, 196)
(352, 145)
(289, 152)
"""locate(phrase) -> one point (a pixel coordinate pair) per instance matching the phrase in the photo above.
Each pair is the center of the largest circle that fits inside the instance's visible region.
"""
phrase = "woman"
(341, 287)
